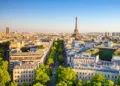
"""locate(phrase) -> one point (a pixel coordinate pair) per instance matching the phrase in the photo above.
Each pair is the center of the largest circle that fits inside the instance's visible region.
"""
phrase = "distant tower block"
(76, 34)
(7, 30)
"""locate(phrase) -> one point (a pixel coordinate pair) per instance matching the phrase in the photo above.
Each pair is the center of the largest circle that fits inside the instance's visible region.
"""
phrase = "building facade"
(87, 64)
(7, 30)
(24, 72)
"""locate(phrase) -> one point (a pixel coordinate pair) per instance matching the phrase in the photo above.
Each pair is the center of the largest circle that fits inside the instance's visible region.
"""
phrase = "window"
(105, 75)
(112, 76)
(15, 80)
(108, 76)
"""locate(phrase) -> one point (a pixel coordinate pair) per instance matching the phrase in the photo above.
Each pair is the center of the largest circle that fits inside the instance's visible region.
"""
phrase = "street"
(54, 68)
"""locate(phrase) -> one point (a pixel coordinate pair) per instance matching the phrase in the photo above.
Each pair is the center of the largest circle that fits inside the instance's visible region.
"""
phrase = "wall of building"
(23, 75)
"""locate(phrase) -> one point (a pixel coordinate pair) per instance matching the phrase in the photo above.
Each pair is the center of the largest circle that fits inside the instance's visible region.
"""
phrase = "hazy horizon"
(59, 15)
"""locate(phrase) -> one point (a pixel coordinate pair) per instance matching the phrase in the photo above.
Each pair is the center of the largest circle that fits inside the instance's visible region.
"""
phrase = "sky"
(59, 15)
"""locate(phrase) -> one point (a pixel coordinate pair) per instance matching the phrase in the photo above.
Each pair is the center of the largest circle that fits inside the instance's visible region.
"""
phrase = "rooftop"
(26, 66)
(30, 53)
(97, 67)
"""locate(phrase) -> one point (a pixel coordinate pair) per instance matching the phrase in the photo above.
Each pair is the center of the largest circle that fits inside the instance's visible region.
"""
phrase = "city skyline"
(59, 15)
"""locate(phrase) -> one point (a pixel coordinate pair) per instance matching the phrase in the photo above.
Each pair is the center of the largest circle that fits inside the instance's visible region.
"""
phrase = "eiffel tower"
(76, 33)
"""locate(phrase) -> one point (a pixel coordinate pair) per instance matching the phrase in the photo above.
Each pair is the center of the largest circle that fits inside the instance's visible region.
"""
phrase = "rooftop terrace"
(26, 66)
(113, 68)
(30, 53)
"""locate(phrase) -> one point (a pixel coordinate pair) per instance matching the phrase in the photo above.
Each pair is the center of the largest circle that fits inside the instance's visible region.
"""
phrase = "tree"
(24, 49)
(41, 76)
(110, 83)
(56, 43)
(2, 53)
(50, 61)
(79, 83)
(40, 47)
(13, 84)
(37, 84)
(4, 65)
(66, 74)
(25, 84)
(60, 58)
(53, 48)
(116, 53)
(98, 78)
(52, 55)
(118, 80)
(97, 84)
(61, 83)
(2, 83)
(87, 83)
(116, 85)
(46, 69)
(4, 76)
(60, 50)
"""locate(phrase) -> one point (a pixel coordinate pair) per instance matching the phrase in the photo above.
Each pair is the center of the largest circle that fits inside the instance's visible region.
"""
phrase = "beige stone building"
(25, 57)
(86, 65)
(24, 72)
(16, 45)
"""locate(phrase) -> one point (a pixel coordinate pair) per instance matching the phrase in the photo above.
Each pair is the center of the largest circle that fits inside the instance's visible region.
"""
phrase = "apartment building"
(86, 64)
(24, 72)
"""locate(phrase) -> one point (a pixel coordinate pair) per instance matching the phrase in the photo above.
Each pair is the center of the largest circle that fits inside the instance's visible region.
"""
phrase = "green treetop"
(60, 58)
(98, 78)
(97, 84)
(118, 80)
(4, 76)
(87, 83)
(79, 83)
(66, 74)
(38, 84)
(46, 69)
(41, 76)
(110, 83)
(13, 84)
(61, 83)
(25, 84)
